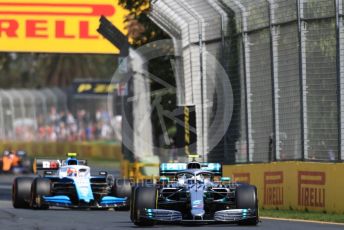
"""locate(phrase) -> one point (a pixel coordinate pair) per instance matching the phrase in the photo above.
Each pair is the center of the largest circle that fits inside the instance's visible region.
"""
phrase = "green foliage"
(35, 70)
(138, 10)
(134, 6)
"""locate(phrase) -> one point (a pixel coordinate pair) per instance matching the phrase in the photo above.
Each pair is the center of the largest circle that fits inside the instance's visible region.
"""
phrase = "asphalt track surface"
(71, 219)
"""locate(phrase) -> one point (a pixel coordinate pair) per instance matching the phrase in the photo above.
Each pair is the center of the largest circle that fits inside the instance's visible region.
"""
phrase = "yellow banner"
(61, 26)
(294, 185)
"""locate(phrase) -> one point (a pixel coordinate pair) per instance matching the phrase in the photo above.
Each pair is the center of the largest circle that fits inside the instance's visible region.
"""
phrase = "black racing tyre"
(142, 198)
(122, 188)
(21, 188)
(40, 187)
(246, 198)
(132, 214)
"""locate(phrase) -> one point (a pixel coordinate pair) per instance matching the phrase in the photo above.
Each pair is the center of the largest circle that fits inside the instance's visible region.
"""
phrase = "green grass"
(303, 215)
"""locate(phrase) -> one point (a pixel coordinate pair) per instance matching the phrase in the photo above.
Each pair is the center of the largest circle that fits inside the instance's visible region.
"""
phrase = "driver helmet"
(72, 161)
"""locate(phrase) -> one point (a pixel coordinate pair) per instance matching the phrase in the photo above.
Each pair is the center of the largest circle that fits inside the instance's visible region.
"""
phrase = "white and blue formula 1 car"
(69, 184)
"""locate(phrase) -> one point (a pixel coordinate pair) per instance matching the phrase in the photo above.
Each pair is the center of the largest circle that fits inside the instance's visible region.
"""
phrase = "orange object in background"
(9, 161)
(6, 163)
(15, 160)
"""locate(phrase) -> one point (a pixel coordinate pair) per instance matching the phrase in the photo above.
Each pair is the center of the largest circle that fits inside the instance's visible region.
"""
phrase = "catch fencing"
(284, 59)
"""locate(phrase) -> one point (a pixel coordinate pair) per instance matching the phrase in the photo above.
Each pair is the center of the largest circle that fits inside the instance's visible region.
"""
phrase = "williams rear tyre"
(21, 188)
(122, 188)
(143, 198)
(246, 198)
(40, 187)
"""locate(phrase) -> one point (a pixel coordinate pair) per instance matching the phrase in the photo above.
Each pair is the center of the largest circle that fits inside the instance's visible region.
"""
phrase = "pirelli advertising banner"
(59, 26)
(102, 88)
(296, 185)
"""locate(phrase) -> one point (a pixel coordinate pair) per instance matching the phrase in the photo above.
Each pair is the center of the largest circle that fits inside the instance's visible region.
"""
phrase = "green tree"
(34, 70)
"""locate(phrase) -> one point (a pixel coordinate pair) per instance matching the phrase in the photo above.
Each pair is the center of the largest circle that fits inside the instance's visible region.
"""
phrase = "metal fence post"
(302, 74)
(274, 80)
(339, 70)
(248, 122)
(247, 77)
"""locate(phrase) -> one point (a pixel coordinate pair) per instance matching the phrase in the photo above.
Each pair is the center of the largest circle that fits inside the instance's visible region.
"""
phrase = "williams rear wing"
(46, 165)
(51, 164)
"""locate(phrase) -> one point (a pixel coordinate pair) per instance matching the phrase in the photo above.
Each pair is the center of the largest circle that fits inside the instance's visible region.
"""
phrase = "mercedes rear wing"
(170, 169)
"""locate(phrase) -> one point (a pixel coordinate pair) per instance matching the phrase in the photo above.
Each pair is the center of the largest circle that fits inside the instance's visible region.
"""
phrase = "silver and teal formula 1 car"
(194, 193)
(69, 184)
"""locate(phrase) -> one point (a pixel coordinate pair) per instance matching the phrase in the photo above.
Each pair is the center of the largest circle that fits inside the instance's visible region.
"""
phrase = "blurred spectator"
(105, 132)
(65, 126)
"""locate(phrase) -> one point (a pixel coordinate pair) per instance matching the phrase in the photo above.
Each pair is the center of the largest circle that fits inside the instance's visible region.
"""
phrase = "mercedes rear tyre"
(21, 192)
(40, 187)
(246, 198)
(143, 198)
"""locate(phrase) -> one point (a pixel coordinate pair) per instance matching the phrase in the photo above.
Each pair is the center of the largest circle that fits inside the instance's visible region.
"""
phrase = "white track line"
(300, 220)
